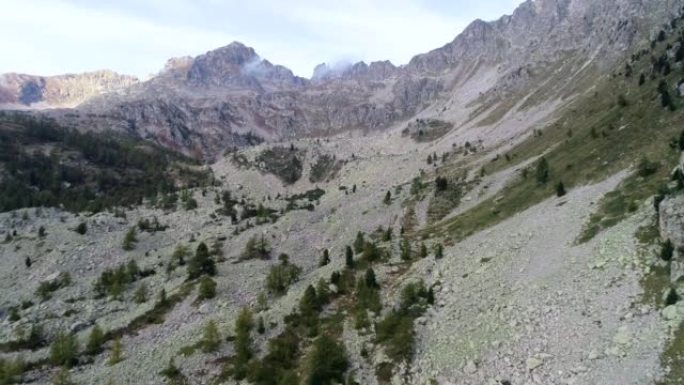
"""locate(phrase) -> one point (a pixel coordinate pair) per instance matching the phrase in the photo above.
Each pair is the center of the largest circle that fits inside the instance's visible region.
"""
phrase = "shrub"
(64, 350)
(423, 251)
(439, 251)
(371, 253)
(46, 288)
(257, 248)
(207, 288)
(646, 167)
(113, 282)
(141, 294)
(11, 371)
(172, 373)
(82, 228)
(441, 184)
(281, 276)
(201, 263)
(666, 251)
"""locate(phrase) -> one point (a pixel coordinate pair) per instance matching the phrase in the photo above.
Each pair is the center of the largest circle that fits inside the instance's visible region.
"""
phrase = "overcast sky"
(48, 37)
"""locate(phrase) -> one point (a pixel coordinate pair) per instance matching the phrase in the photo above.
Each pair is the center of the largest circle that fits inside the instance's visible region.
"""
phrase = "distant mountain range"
(231, 96)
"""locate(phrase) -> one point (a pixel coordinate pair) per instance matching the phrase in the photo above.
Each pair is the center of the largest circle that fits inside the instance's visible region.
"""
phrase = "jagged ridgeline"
(45, 164)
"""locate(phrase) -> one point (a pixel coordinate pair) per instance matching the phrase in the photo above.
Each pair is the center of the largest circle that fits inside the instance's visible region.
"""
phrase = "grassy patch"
(625, 200)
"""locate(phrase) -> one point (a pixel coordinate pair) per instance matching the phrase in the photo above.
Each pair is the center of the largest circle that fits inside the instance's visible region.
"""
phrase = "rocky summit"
(507, 209)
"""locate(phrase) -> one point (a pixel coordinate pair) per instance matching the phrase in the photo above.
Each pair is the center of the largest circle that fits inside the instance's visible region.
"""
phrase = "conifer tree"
(116, 354)
(211, 338)
(349, 257)
(201, 263)
(95, 340)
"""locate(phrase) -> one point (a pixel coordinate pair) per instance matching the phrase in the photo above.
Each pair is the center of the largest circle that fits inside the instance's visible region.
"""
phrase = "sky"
(136, 37)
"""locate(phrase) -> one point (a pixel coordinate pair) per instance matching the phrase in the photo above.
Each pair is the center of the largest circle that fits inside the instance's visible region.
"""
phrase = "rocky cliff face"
(206, 104)
(23, 91)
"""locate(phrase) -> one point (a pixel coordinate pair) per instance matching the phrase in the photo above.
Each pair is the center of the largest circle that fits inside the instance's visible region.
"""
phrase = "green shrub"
(256, 248)
(207, 289)
(82, 228)
(46, 288)
(666, 251)
(281, 276)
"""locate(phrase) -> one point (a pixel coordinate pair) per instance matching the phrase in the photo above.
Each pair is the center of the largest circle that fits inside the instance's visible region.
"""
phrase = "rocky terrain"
(63, 91)
(506, 209)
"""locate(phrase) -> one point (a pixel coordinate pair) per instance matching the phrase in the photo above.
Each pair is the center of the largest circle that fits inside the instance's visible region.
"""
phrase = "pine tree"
(439, 251)
(141, 293)
(326, 362)
(130, 239)
(370, 280)
(388, 198)
(325, 259)
(423, 251)
(211, 338)
(542, 171)
(387, 236)
(201, 263)
(243, 343)
(64, 350)
(261, 328)
(560, 189)
(41, 232)
(349, 258)
(116, 355)
(27, 262)
(405, 249)
(359, 242)
(95, 340)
